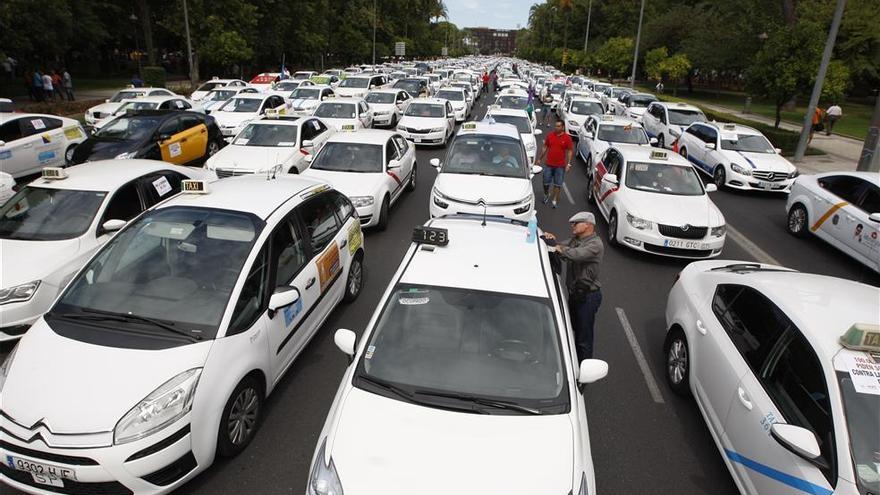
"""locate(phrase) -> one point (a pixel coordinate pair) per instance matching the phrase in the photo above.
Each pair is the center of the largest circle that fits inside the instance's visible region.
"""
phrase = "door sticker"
(328, 265)
(46, 156)
(47, 139)
(355, 238)
(72, 133)
(291, 311)
(162, 186)
(174, 149)
(864, 373)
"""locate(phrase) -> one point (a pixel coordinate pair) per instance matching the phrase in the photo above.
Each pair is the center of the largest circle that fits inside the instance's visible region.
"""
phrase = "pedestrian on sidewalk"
(47, 86)
(56, 83)
(816, 124)
(556, 156)
(583, 252)
(659, 86)
(485, 82)
(67, 82)
(834, 113)
(37, 83)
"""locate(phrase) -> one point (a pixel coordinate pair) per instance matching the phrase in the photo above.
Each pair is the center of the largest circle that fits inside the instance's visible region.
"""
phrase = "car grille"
(690, 232)
(685, 253)
(223, 173)
(70, 487)
(49, 457)
(417, 131)
(769, 176)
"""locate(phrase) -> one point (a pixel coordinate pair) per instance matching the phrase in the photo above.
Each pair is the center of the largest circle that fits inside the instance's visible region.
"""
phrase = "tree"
(615, 56)
(837, 81)
(654, 60)
(676, 67)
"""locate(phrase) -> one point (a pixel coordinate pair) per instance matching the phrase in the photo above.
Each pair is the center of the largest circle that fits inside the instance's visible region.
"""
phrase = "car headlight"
(573, 123)
(718, 231)
(324, 479)
(674, 132)
(4, 368)
(438, 129)
(639, 223)
(19, 293)
(162, 407)
(361, 201)
(740, 170)
(794, 174)
(401, 128)
(126, 156)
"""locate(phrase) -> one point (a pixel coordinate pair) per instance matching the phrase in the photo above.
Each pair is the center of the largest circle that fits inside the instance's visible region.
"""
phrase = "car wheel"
(719, 176)
(678, 363)
(393, 121)
(213, 148)
(355, 279)
(612, 230)
(411, 186)
(383, 215)
(68, 154)
(797, 224)
(241, 417)
(661, 141)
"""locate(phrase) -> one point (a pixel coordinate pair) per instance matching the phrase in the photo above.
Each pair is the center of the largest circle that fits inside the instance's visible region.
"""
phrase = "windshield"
(242, 105)
(557, 89)
(640, 101)
(457, 342)
(746, 142)
(586, 108)
(333, 110)
(126, 95)
(165, 267)
(862, 408)
(302, 75)
(267, 135)
(41, 214)
(305, 94)
(451, 95)
(628, 134)
(135, 105)
(355, 82)
(685, 117)
(663, 178)
(287, 85)
(411, 87)
(514, 102)
(522, 124)
(349, 157)
(380, 98)
(425, 110)
(208, 86)
(130, 127)
(221, 95)
(486, 155)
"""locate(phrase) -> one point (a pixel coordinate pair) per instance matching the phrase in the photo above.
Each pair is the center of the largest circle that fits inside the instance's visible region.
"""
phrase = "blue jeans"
(553, 175)
(583, 320)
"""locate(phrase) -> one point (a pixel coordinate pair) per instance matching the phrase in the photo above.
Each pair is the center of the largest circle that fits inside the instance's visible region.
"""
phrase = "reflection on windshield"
(165, 266)
(380, 98)
(40, 214)
(514, 102)
(267, 135)
(127, 127)
(473, 343)
(426, 110)
(629, 134)
(586, 108)
(306, 94)
(349, 157)
(125, 95)
(862, 410)
(521, 123)
(355, 82)
(336, 110)
(662, 178)
(486, 155)
(685, 117)
(747, 142)
(451, 95)
(243, 105)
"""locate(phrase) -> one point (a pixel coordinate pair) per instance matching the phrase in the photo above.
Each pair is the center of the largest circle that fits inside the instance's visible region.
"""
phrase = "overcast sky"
(499, 14)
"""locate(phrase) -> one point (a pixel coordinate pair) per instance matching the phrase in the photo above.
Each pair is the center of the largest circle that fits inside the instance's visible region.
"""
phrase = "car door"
(193, 138)
(170, 147)
(407, 155)
(320, 134)
(650, 120)
(395, 176)
(366, 114)
(18, 155)
(866, 232)
(450, 116)
(610, 163)
(321, 227)
(834, 213)
(786, 386)
(156, 187)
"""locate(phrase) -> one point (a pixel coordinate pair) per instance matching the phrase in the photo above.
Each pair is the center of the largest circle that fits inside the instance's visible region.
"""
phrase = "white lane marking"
(750, 247)
(567, 193)
(640, 357)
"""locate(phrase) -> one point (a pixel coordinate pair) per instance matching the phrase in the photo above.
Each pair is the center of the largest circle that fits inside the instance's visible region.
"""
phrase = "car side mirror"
(799, 441)
(610, 178)
(164, 137)
(394, 164)
(2, 143)
(778, 151)
(536, 169)
(710, 188)
(283, 296)
(112, 226)
(653, 141)
(435, 162)
(308, 143)
(345, 340)
(874, 217)
(592, 370)
(538, 132)
(710, 146)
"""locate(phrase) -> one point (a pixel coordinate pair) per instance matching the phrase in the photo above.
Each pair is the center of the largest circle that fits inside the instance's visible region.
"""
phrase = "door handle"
(343, 243)
(701, 328)
(202, 131)
(183, 140)
(310, 283)
(744, 398)
(28, 145)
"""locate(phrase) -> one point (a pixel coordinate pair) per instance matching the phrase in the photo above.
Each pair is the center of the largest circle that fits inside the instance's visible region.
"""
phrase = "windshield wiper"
(499, 404)
(408, 396)
(95, 314)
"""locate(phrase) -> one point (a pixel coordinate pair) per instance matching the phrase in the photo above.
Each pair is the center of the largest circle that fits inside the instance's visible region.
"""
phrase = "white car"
(574, 113)
(520, 120)
(842, 209)
(285, 87)
(467, 367)
(736, 156)
(359, 86)
(303, 75)
(218, 96)
(372, 167)
(215, 83)
(52, 226)
(234, 115)
(278, 145)
(666, 121)
(633, 105)
(516, 99)
(264, 80)
(654, 201)
(7, 187)
(469, 93)
(347, 114)
(486, 171)
(458, 98)
(110, 105)
(149, 103)
(612, 95)
(599, 89)
(783, 367)
(31, 141)
(428, 121)
(388, 105)
(602, 131)
(303, 101)
(169, 340)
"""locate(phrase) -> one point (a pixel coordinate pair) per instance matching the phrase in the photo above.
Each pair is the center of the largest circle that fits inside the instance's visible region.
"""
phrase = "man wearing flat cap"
(583, 252)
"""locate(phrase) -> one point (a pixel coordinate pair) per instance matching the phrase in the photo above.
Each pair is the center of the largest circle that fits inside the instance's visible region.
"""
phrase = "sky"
(499, 14)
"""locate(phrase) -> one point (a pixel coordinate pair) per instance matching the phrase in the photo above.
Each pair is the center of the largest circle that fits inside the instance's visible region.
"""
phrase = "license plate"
(417, 140)
(44, 474)
(675, 243)
(765, 185)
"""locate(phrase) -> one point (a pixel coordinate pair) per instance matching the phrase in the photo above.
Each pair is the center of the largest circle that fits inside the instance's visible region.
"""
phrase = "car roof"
(677, 105)
(615, 120)
(450, 87)
(155, 99)
(435, 101)
(280, 119)
(388, 90)
(140, 90)
(343, 99)
(6, 117)
(367, 136)
(872, 177)
(732, 127)
(649, 154)
(513, 112)
(253, 96)
(104, 175)
(589, 99)
(251, 193)
(480, 258)
(490, 128)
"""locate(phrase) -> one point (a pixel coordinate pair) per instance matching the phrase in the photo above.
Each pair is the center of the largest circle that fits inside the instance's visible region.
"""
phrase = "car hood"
(102, 382)
(233, 119)
(256, 158)
(759, 161)
(106, 108)
(672, 209)
(338, 123)
(351, 183)
(98, 149)
(383, 107)
(422, 122)
(580, 119)
(492, 190)
(45, 257)
(350, 91)
(405, 446)
(303, 104)
(636, 110)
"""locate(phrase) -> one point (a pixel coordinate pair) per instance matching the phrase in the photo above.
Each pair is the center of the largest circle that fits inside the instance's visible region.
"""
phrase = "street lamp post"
(587, 36)
(189, 50)
(632, 79)
(374, 33)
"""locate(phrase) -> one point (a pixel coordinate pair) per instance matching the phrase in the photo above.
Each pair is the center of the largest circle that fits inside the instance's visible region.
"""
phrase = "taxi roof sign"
(54, 173)
(659, 155)
(607, 118)
(729, 127)
(348, 127)
(469, 126)
(862, 337)
(190, 186)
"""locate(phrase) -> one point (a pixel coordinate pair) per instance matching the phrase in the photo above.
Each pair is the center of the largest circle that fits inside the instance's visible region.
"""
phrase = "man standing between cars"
(834, 113)
(556, 155)
(47, 86)
(67, 81)
(583, 252)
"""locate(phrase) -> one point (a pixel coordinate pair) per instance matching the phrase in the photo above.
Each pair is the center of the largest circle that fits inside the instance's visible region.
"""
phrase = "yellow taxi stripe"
(827, 214)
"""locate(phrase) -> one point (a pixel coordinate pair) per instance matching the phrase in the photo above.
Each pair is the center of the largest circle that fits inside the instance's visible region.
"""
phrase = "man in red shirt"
(556, 155)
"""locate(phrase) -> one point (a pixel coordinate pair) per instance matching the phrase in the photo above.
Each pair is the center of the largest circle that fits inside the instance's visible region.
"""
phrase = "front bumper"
(572, 130)
(651, 241)
(460, 114)
(424, 138)
(751, 183)
(383, 119)
(454, 207)
(368, 215)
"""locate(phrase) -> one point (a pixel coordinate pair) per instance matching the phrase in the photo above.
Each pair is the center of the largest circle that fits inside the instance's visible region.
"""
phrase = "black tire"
(661, 141)
(355, 280)
(68, 155)
(612, 230)
(678, 363)
(393, 124)
(212, 148)
(411, 185)
(590, 195)
(798, 222)
(383, 215)
(719, 176)
(241, 417)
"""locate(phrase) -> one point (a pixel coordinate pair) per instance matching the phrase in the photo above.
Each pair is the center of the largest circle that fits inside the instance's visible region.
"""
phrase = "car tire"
(393, 124)
(612, 229)
(411, 185)
(241, 417)
(355, 280)
(678, 363)
(213, 148)
(382, 224)
(661, 141)
(798, 221)
(68, 155)
(719, 176)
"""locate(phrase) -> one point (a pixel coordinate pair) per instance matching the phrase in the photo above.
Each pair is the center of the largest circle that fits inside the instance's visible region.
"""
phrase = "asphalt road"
(644, 440)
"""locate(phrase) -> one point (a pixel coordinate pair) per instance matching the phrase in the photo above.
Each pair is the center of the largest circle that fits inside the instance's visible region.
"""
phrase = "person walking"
(556, 156)
(816, 123)
(485, 82)
(833, 114)
(546, 101)
(583, 253)
(56, 84)
(47, 86)
(659, 86)
(38, 86)
(67, 83)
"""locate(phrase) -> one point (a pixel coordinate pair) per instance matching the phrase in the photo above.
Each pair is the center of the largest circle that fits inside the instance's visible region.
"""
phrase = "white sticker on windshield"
(640, 167)
(174, 149)
(286, 143)
(370, 351)
(864, 372)
(411, 301)
(242, 141)
(38, 124)
(162, 186)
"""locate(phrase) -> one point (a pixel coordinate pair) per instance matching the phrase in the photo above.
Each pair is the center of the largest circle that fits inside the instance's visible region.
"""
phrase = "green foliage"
(654, 61)
(154, 77)
(676, 67)
(615, 56)
(837, 81)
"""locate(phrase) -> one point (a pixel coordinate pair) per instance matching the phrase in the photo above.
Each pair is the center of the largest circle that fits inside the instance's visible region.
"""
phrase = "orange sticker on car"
(329, 266)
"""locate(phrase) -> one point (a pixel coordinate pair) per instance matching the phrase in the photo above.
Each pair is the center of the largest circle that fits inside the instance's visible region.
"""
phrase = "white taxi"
(600, 132)
(633, 105)
(842, 209)
(304, 100)
(736, 156)
(110, 105)
(264, 80)
(520, 120)
(428, 121)
(276, 144)
(458, 98)
(358, 86)
(7, 187)
(666, 121)
(345, 113)
(372, 167)
(486, 172)
(234, 115)
(654, 201)
(169, 340)
(51, 227)
(218, 96)
(388, 105)
(31, 141)
(575, 112)
(149, 103)
(466, 367)
(784, 368)
(215, 83)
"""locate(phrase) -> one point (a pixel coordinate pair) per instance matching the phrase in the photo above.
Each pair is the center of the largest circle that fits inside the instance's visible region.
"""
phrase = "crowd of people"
(49, 86)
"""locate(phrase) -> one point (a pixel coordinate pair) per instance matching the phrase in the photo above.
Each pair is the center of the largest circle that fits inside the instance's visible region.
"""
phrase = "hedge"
(154, 77)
